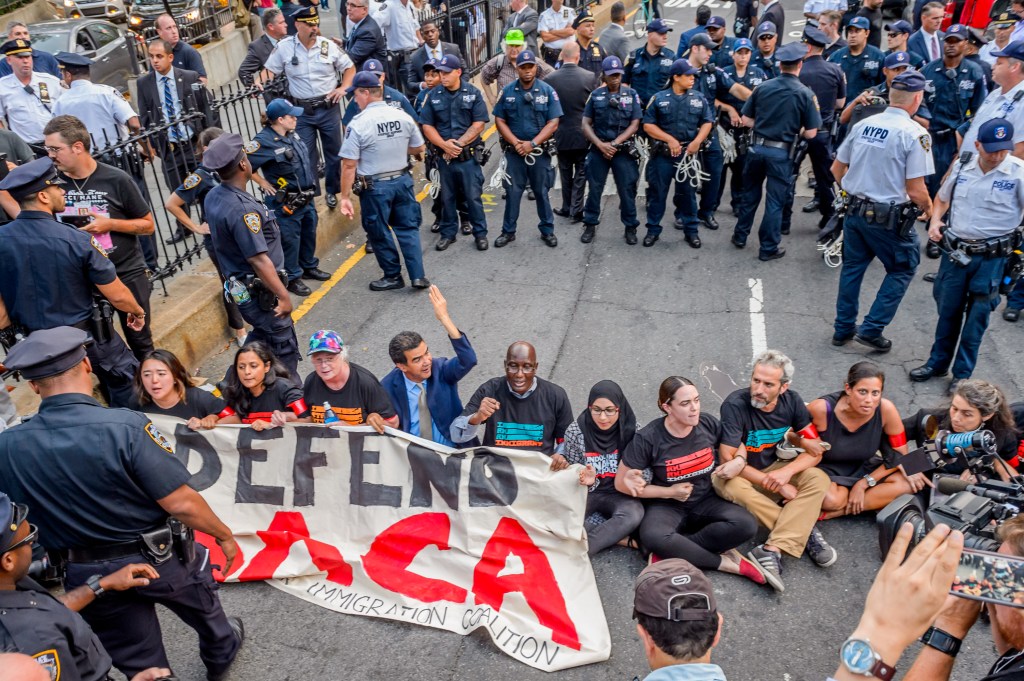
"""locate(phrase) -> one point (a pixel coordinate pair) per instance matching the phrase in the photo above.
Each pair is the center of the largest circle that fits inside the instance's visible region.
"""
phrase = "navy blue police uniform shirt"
(780, 107)
(861, 71)
(753, 77)
(679, 115)
(951, 99)
(451, 113)
(392, 98)
(41, 279)
(242, 228)
(721, 56)
(768, 65)
(611, 114)
(713, 82)
(92, 475)
(526, 118)
(283, 161)
(648, 74)
(193, 192)
(828, 83)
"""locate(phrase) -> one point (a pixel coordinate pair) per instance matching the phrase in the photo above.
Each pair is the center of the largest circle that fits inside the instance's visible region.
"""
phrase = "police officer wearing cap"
(247, 239)
(48, 277)
(318, 72)
(647, 68)
(721, 55)
(27, 97)
(984, 195)
(374, 159)
(766, 39)
(1006, 101)
(611, 120)
(290, 184)
(779, 111)
(875, 99)
(677, 120)
(392, 97)
(976, 40)
(828, 83)
(526, 115)
(749, 76)
(1002, 28)
(555, 26)
(592, 54)
(107, 492)
(955, 91)
(453, 116)
(881, 165)
(104, 111)
(897, 37)
(862, 63)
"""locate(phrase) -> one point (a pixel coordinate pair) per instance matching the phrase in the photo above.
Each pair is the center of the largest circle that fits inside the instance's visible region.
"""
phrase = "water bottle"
(329, 415)
(237, 290)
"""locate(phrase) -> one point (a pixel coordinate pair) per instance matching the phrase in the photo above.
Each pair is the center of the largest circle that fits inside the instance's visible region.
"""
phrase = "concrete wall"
(223, 57)
(40, 10)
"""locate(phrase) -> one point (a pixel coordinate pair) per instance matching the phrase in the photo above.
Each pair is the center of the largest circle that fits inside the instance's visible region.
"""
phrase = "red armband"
(226, 412)
(809, 433)
(298, 407)
(899, 439)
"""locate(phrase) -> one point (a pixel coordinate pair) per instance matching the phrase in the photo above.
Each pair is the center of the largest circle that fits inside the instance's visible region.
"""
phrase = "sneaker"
(652, 559)
(748, 568)
(819, 550)
(770, 563)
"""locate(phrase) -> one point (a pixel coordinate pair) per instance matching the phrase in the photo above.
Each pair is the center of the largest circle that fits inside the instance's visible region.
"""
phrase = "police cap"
(659, 26)
(814, 36)
(715, 22)
(859, 22)
(224, 152)
(32, 177)
(583, 17)
(372, 66)
(12, 515)
(791, 53)
(742, 44)
(430, 65)
(894, 60)
(612, 65)
(682, 67)
(976, 36)
(526, 57)
(449, 63)
(48, 352)
(280, 107)
(1005, 19)
(702, 40)
(362, 79)
(956, 32)
(72, 59)
(900, 26)
(1014, 50)
(16, 46)
(308, 15)
(765, 28)
(996, 135)
(909, 81)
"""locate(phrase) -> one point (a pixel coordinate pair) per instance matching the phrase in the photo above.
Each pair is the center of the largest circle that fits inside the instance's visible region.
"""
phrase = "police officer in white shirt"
(318, 72)
(555, 27)
(26, 96)
(882, 164)
(397, 19)
(1006, 101)
(104, 111)
(984, 194)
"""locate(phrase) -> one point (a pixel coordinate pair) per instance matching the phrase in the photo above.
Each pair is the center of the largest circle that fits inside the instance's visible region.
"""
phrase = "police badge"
(251, 147)
(158, 437)
(252, 221)
(192, 181)
(926, 143)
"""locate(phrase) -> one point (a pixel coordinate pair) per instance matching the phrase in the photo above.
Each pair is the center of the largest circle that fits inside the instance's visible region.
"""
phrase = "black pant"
(141, 342)
(819, 150)
(277, 333)
(114, 366)
(698, 531)
(574, 180)
(623, 515)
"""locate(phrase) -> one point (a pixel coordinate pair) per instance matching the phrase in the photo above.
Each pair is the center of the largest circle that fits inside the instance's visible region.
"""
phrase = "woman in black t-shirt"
(259, 388)
(684, 518)
(162, 386)
(596, 440)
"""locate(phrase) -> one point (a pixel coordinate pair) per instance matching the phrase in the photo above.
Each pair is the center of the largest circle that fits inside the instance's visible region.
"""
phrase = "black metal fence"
(201, 29)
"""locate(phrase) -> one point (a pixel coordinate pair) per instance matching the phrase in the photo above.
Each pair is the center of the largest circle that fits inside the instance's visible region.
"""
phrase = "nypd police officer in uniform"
(290, 183)
(611, 120)
(647, 68)
(392, 97)
(828, 83)
(374, 164)
(48, 277)
(453, 116)
(677, 120)
(861, 62)
(766, 40)
(526, 115)
(779, 111)
(27, 96)
(592, 54)
(247, 240)
(749, 75)
(984, 194)
(882, 165)
(318, 72)
(122, 499)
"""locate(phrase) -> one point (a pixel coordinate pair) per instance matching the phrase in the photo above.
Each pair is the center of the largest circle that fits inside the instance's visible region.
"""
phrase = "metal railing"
(201, 30)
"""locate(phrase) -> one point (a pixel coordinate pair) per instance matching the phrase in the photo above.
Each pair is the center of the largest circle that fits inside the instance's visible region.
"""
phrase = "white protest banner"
(392, 526)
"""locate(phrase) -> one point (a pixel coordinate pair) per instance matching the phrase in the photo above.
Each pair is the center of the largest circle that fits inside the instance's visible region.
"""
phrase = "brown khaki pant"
(790, 524)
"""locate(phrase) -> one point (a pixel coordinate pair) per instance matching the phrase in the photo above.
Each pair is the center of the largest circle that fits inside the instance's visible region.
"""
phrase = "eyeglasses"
(607, 411)
(894, 34)
(33, 531)
(55, 150)
(325, 361)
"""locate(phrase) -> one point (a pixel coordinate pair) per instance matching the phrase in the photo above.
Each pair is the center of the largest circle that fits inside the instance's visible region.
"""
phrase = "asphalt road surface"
(636, 315)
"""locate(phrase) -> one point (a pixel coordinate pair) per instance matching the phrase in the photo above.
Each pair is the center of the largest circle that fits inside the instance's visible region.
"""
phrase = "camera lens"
(891, 518)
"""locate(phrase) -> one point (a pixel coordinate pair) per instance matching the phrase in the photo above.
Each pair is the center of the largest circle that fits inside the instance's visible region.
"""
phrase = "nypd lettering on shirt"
(873, 135)
(389, 128)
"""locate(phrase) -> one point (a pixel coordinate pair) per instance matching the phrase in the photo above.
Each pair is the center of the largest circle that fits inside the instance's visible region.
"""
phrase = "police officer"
(318, 72)
(956, 89)
(392, 97)
(48, 277)
(592, 54)
(984, 194)
(247, 240)
(647, 68)
(124, 499)
(526, 115)
(766, 38)
(453, 116)
(828, 84)
(749, 76)
(721, 55)
(862, 63)
(374, 158)
(677, 120)
(104, 111)
(26, 96)
(881, 165)
(290, 183)
(779, 111)
(397, 19)
(611, 118)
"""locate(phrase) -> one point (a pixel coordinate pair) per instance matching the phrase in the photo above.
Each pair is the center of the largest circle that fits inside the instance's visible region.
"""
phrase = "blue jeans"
(661, 172)
(326, 122)
(393, 202)
(862, 243)
(773, 165)
(540, 176)
(965, 298)
(461, 182)
(298, 239)
(626, 173)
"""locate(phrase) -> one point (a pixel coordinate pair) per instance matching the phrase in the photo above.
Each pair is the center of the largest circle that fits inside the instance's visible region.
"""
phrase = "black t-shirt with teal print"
(198, 403)
(760, 431)
(678, 459)
(536, 422)
(361, 396)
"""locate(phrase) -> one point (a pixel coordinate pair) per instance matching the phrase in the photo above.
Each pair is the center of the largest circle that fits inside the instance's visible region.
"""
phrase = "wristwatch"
(94, 584)
(870, 480)
(860, 658)
(941, 641)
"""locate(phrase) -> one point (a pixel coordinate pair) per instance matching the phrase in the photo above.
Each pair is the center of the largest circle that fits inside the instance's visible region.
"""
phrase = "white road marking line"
(758, 330)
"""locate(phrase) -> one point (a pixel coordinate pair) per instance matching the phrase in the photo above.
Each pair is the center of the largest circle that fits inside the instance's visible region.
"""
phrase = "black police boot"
(588, 234)
(422, 282)
(550, 239)
(444, 243)
(529, 195)
(504, 239)
(481, 243)
(931, 249)
(436, 227)
(650, 240)
(709, 222)
(923, 373)
(466, 228)
(316, 274)
(1011, 315)
(387, 283)
(693, 240)
(631, 237)
(811, 205)
(840, 339)
(298, 288)
(332, 201)
(879, 342)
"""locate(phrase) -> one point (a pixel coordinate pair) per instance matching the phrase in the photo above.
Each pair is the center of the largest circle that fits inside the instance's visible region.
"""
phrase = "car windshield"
(52, 42)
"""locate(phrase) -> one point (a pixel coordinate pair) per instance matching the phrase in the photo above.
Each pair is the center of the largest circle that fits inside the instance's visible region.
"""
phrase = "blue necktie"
(169, 106)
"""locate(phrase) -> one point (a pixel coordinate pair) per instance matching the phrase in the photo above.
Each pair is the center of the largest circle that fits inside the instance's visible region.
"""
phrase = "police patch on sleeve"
(251, 147)
(253, 222)
(926, 142)
(192, 181)
(96, 244)
(158, 438)
(50, 661)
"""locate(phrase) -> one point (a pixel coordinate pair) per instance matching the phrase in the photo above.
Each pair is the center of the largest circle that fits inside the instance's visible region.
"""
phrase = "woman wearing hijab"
(595, 440)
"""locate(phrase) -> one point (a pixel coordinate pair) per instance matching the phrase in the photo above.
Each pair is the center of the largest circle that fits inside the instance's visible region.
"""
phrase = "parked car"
(114, 10)
(198, 20)
(974, 13)
(114, 50)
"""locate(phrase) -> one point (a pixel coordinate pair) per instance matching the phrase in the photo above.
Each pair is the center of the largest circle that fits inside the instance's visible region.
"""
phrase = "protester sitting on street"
(678, 621)
(163, 386)
(259, 389)
(683, 516)
(596, 440)
(859, 424)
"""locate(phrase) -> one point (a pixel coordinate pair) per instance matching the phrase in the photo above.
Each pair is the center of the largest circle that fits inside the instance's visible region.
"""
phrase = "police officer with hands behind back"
(247, 239)
(147, 520)
(984, 194)
(48, 276)
(881, 165)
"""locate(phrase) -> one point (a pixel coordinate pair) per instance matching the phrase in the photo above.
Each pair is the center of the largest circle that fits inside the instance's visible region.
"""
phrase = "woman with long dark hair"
(163, 386)
(260, 390)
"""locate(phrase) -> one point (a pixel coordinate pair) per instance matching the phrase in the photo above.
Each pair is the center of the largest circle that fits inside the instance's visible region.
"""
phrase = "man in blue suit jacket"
(414, 369)
(365, 41)
(931, 20)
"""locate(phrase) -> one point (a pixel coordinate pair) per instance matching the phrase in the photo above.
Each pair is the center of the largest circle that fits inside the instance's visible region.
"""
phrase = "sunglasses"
(765, 37)
(33, 532)
(894, 34)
